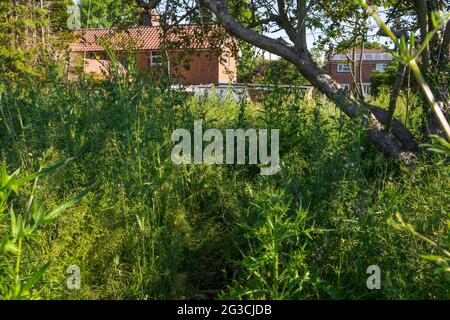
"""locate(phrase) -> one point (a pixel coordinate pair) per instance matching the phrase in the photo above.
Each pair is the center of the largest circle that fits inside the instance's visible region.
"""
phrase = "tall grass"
(150, 229)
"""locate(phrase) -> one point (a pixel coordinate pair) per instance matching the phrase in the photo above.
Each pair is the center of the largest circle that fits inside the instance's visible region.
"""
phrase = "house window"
(366, 89)
(343, 67)
(155, 59)
(381, 67)
(345, 86)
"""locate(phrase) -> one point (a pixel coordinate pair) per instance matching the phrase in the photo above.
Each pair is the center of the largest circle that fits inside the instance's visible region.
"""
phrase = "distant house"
(339, 66)
(189, 62)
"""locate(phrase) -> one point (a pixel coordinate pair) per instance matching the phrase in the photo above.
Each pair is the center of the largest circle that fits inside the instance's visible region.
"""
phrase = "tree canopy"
(29, 36)
(107, 13)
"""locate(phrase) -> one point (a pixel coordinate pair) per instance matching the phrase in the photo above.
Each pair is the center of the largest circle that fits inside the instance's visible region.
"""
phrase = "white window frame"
(367, 89)
(381, 67)
(341, 67)
(345, 86)
(152, 58)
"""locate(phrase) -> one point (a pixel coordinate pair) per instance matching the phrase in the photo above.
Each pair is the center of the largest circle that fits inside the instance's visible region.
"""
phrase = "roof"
(141, 38)
(379, 54)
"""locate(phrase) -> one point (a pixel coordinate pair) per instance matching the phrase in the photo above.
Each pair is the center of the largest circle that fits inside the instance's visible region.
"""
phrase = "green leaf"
(432, 258)
(37, 214)
(441, 141)
(36, 277)
(40, 173)
(9, 246)
(440, 145)
(4, 176)
(52, 216)
(403, 47)
(412, 43)
(7, 180)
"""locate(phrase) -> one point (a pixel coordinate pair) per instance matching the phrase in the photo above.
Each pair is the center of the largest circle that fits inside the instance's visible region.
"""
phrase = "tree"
(248, 61)
(384, 78)
(108, 13)
(30, 34)
(294, 17)
(415, 17)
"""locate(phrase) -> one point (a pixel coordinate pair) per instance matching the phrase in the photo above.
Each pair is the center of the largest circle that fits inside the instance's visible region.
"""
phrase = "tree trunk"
(395, 93)
(421, 8)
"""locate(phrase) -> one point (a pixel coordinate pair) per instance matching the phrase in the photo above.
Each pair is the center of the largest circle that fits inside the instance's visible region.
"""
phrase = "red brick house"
(339, 66)
(189, 62)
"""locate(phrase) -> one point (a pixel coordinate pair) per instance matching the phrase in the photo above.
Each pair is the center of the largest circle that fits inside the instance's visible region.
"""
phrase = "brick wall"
(227, 68)
(199, 68)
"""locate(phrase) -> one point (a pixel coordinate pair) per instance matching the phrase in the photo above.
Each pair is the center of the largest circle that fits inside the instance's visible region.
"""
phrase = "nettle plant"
(18, 226)
(276, 265)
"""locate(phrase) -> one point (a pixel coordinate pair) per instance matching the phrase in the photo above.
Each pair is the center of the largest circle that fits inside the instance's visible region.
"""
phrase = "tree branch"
(301, 26)
(220, 9)
(284, 21)
(395, 93)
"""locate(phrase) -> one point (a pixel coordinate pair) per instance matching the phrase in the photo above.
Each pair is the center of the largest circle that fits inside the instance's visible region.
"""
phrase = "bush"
(278, 72)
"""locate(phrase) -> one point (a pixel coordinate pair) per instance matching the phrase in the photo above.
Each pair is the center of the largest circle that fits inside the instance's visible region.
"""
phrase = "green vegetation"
(277, 72)
(151, 229)
(20, 227)
(27, 37)
(107, 13)
(86, 178)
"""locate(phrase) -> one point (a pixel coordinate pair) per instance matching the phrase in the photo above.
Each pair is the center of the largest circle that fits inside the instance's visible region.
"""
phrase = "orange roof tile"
(142, 38)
